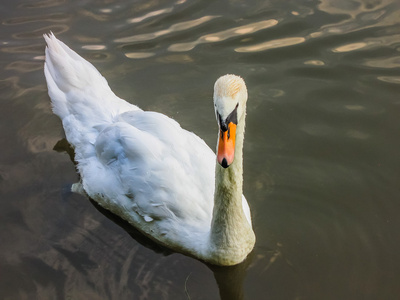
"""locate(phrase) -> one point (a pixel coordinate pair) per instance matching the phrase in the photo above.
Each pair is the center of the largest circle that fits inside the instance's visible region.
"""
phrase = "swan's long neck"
(232, 237)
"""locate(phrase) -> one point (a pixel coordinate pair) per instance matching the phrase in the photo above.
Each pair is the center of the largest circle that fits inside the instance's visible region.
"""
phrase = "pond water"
(321, 166)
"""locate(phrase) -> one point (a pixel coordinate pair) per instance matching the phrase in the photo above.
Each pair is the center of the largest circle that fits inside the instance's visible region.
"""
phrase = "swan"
(143, 167)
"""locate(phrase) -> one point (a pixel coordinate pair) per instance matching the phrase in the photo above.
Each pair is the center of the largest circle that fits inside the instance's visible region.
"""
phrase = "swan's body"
(145, 168)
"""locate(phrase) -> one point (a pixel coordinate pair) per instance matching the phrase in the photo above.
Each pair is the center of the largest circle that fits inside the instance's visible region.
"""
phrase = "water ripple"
(314, 62)
(24, 66)
(38, 33)
(42, 4)
(56, 17)
(278, 43)
(350, 47)
(173, 28)
(388, 39)
(390, 79)
(387, 62)
(360, 15)
(150, 14)
(223, 35)
(139, 55)
(94, 47)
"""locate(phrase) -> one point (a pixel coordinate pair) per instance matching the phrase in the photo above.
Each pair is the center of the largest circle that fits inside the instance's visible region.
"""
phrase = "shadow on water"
(230, 280)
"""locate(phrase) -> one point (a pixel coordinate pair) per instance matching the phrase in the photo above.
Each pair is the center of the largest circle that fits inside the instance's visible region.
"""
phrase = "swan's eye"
(232, 118)
(222, 123)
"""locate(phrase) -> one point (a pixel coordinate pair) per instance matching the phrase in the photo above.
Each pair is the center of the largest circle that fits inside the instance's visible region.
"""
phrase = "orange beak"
(226, 146)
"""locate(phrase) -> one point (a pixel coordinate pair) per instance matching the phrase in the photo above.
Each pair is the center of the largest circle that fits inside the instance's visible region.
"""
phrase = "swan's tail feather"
(77, 88)
(69, 69)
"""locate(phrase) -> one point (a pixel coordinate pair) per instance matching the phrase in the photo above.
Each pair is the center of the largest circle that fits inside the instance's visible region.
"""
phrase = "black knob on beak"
(224, 163)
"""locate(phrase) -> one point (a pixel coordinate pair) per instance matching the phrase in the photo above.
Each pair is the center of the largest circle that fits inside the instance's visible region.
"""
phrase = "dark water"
(322, 168)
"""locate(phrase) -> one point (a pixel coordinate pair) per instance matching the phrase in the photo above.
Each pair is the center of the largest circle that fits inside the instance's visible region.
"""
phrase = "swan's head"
(230, 96)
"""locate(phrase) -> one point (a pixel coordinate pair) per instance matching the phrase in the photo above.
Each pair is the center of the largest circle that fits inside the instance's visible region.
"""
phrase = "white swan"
(145, 168)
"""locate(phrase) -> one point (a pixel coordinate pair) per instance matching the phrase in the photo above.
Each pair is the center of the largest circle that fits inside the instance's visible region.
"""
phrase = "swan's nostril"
(224, 163)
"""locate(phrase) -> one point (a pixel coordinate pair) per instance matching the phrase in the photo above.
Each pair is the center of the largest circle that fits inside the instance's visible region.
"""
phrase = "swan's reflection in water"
(230, 280)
